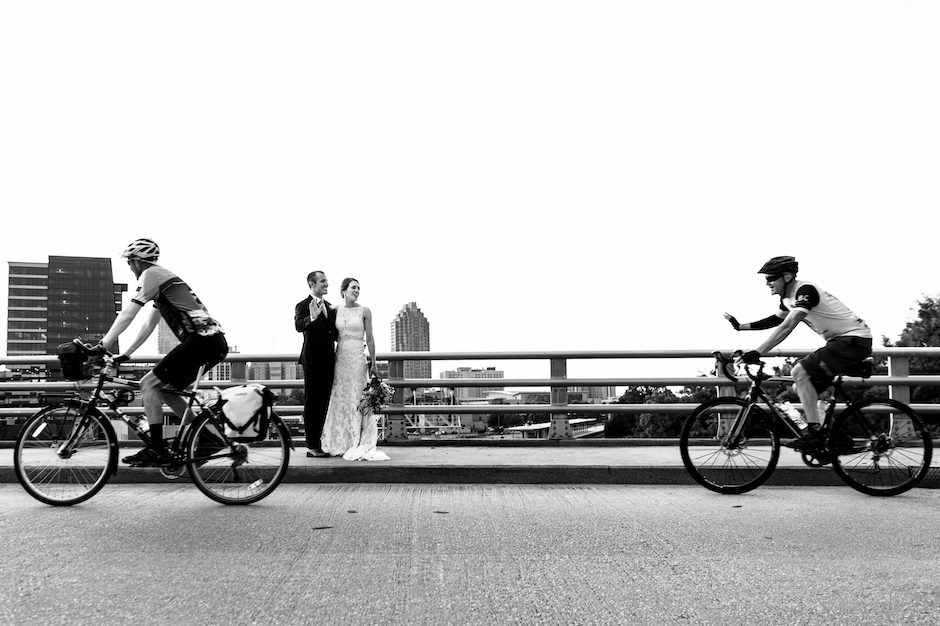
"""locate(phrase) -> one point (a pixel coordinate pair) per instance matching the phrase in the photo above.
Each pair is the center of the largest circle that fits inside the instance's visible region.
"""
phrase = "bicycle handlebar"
(724, 363)
(110, 360)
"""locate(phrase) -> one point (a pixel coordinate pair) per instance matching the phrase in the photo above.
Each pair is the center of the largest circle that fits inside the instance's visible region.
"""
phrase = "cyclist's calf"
(806, 390)
(150, 391)
(154, 393)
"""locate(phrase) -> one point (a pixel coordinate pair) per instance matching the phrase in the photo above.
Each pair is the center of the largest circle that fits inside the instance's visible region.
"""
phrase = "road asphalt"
(505, 462)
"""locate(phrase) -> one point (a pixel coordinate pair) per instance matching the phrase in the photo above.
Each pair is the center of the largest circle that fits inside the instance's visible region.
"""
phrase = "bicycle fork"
(729, 433)
(67, 448)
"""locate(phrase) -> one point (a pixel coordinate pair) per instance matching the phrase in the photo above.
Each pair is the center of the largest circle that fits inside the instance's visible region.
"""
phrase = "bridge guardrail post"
(561, 426)
(899, 366)
(723, 391)
(396, 422)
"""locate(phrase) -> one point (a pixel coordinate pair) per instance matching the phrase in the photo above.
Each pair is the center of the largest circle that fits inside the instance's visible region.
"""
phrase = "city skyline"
(410, 329)
(537, 176)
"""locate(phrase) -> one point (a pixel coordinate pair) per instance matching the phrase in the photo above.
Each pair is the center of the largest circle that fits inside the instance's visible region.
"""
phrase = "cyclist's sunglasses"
(771, 279)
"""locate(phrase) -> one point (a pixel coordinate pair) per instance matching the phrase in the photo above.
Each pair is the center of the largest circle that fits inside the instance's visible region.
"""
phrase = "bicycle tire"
(64, 480)
(891, 448)
(722, 467)
(235, 473)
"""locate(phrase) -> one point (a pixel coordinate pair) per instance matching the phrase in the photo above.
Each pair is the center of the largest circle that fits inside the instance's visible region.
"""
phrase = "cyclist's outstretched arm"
(783, 330)
(764, 324)
(153, 318)
(123, 320)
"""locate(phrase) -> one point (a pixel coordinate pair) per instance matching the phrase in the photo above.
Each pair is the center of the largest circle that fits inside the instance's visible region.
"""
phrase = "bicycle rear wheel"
(882, 447)
(720, 463)
(65, 454)
(232, 472)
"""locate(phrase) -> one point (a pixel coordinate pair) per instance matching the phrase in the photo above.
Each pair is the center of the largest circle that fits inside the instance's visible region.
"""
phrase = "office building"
(412, 333)
(465, 394)
(54, 302)
(595, 395)
(166, 340)
(275, 370)
(228, 370)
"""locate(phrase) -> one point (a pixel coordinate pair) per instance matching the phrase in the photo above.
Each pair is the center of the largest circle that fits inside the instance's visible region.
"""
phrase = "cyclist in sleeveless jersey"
(848, 338)
(202, 341)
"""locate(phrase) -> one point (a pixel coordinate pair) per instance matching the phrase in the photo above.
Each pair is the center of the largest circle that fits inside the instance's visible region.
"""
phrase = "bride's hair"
(345, 284)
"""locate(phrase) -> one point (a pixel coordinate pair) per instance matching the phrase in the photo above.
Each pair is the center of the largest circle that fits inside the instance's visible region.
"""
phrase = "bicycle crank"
(172, 472)
(814, 460)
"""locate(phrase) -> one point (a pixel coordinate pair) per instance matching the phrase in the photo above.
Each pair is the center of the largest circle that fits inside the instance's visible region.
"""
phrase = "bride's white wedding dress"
(347, 431)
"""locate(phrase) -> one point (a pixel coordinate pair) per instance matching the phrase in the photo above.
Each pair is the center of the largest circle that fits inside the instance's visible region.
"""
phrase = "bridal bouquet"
(375, 395)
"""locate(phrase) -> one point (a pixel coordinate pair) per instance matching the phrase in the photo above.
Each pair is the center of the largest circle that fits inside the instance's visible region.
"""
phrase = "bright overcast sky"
(535, 175)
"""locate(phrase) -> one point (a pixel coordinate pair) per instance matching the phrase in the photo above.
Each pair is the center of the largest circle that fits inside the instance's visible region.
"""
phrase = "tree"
(296, 396)
(923, 331)
(648, 424)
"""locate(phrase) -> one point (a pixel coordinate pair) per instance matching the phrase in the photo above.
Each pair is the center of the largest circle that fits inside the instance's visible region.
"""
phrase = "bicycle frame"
(876, 445)
(757, 395)
(98, 399)
(68, 450)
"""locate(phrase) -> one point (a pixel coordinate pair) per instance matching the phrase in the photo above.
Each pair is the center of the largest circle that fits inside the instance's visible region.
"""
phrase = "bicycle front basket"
(75, 363)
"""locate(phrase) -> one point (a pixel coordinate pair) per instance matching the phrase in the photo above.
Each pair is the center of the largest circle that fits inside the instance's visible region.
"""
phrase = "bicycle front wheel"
(720, 461)
(882, 447)
(233, 472)
(65, 454)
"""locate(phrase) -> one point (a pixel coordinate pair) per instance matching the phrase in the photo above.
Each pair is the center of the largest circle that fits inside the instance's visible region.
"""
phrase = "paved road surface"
(472, 554)
(579, 462)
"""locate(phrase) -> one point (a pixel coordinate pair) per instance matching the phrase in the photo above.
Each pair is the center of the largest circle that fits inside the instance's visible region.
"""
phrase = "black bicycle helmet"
(779, 265)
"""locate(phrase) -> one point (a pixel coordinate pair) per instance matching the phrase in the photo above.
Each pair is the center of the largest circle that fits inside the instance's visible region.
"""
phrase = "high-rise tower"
(55, 302)
(412, 333)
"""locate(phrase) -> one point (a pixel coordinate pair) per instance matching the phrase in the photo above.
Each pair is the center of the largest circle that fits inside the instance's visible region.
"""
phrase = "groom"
(316, 319)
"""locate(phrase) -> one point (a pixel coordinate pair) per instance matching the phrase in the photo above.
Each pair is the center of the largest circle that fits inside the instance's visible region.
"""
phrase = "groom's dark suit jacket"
(318, 352)
(318, 357)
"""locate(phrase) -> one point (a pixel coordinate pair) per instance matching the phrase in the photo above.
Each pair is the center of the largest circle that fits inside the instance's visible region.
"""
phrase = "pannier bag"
(246, 410)
(75, 362)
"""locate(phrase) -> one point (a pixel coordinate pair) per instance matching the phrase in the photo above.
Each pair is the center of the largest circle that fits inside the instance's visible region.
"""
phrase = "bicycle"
(731, 445)
(66, 452)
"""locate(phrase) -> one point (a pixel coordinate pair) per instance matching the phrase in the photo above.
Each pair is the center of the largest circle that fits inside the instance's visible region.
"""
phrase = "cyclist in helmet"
(848, 338)
(202, 341)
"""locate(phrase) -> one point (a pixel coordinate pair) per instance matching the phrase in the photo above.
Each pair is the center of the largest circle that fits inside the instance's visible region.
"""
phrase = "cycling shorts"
(180, 367)
(832, 359)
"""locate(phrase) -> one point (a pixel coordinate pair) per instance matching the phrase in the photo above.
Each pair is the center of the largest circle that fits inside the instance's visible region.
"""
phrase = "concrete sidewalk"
(578, 462)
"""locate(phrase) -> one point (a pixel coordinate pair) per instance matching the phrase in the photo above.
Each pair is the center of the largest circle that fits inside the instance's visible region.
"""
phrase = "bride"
(347, 432)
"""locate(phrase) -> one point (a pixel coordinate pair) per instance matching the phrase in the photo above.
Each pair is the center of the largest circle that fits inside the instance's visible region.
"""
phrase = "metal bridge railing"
(899, 382)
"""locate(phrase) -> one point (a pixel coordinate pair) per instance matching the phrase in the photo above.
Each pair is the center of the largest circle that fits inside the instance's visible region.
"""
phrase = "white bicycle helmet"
(143, 250)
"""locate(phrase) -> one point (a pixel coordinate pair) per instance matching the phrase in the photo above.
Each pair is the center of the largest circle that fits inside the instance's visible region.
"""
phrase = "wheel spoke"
(234, 472)
(895, 449)
(78, 473)
(721, 467)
